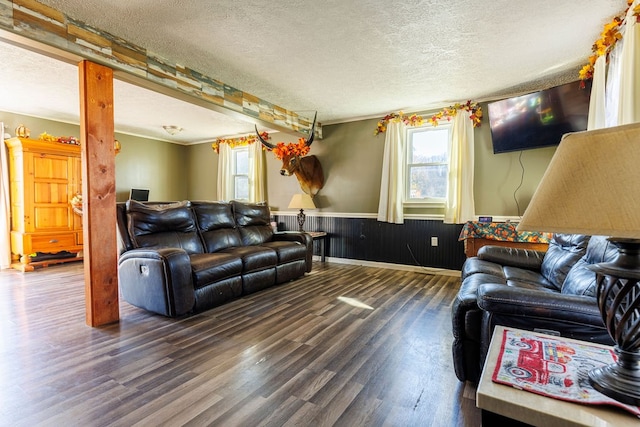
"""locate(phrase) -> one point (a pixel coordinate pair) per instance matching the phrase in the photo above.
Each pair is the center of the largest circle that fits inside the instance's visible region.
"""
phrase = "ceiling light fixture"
(172, 129)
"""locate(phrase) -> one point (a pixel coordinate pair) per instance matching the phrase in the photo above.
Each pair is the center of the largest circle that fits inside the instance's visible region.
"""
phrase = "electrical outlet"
(434, 241)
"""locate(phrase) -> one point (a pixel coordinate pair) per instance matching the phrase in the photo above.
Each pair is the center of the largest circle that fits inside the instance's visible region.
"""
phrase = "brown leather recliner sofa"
(551, 292)
(186, 257)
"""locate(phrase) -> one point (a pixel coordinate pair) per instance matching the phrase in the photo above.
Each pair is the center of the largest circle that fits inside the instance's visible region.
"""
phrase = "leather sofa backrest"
(581, 280)
(253, 222)
(563, 252)
(123, 239)
(217, 225)
(163, 225)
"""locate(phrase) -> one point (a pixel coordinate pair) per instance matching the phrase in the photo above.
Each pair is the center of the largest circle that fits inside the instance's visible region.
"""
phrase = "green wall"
(162, 167)
(497, 176)
(202, 172)
(351, 157)
(350, 154)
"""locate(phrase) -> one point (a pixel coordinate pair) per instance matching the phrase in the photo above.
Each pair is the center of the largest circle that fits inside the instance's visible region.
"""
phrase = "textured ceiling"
(355, 59)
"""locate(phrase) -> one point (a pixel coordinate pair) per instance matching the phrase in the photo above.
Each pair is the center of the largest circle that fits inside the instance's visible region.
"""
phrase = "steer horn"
(312, 132)
(308, 141)
(264, 142)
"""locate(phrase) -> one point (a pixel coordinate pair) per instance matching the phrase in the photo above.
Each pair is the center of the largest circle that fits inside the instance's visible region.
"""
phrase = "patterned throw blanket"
(504, 231)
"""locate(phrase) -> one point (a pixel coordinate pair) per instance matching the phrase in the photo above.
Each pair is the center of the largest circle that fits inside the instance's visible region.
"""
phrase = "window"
(240, 173)
(427, 164)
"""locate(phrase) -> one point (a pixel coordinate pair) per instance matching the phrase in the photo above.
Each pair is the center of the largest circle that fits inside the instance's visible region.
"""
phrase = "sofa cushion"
(253, 220)
(287, 251)
(217, 225)
(254, 258)
(476, 265)
(208, 268)
(515, 257)
(581, 280)
(163, 225)
(217, 293)
(530, 279)
(564, 251)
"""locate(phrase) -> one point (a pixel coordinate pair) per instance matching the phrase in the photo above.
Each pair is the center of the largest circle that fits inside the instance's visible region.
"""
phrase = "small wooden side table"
(321, 236)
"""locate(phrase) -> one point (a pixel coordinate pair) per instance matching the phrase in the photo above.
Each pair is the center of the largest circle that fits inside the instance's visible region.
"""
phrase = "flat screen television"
(539, 119)
(139, 194)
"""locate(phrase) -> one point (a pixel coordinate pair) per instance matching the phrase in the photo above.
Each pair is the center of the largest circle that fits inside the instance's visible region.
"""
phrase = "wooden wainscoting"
(345, 345)
(370, 240)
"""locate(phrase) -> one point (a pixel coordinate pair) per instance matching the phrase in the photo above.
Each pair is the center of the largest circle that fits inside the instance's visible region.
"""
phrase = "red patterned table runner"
(553, 367)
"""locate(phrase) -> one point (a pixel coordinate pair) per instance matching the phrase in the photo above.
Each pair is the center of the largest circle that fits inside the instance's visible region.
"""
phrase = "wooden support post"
(99, 194)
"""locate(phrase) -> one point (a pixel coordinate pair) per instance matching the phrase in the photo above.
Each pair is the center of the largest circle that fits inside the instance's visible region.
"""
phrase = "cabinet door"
(50, 192)
(75, 188)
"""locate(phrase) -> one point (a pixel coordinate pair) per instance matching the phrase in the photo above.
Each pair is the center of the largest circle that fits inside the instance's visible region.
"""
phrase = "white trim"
(426, 112)
(403, 267)
(428, 203)
(424, 217)
(503, 218)
(327, 214)
(432, 217)
(425, 129)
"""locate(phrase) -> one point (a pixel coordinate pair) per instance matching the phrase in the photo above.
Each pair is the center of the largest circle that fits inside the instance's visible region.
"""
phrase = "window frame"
(426, 201)
(234, 171)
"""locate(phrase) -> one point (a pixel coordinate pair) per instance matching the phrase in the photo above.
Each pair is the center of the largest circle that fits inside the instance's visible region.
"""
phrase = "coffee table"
(537, 410)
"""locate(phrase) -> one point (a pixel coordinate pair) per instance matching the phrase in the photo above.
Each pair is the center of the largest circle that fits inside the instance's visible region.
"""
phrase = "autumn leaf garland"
(608, 39)
(280, 151)
(238, 142)
(412, 120)
(445, 113)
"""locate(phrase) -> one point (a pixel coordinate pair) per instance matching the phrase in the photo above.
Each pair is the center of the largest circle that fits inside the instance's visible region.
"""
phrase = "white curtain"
(620, 102)
(392, 185)
(597, 100)
(612, 86)
(257, 180)
(225, 168)
(5, 205)
(460, 206)
(629, 105)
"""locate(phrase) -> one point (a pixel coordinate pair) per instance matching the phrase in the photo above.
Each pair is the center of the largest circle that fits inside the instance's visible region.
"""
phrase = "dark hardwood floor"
(345, 346)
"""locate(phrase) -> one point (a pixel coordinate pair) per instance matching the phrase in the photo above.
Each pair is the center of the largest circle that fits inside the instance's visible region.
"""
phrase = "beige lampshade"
(301, 201)
(591, 186)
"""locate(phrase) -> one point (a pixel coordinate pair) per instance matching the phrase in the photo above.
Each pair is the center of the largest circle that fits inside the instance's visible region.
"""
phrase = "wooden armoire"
(44, 177)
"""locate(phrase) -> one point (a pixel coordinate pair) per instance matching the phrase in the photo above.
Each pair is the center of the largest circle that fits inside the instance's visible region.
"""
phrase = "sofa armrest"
(294, 236)
(158, 280)
(298, 236)
(514, 257)
(571, 316)
(500, 299)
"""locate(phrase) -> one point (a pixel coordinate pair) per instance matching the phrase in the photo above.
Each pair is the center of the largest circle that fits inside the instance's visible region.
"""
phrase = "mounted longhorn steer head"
(307, 169)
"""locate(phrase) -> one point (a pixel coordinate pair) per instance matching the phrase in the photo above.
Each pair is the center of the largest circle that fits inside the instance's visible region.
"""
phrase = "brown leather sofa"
(186, 257)
(551, 292)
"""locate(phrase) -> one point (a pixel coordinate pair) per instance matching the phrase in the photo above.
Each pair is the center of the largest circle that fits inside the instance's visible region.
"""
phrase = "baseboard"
(403, 267)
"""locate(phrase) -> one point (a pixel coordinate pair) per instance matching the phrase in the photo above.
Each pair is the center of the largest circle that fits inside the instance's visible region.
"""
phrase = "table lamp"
(591, 187)
(301, 201)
